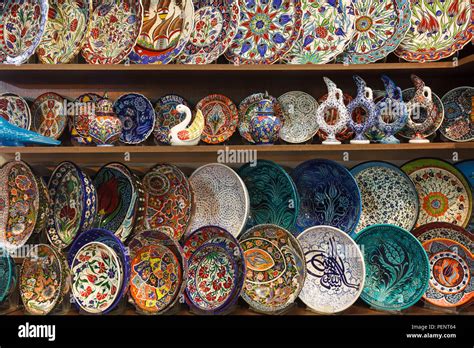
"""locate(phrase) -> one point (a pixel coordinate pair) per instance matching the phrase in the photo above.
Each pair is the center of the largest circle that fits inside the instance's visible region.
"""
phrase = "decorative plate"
(15, 110)
(49, 115)
(215, 26)
(221, 199)
(452, 273)
(167, 27)
(275, 268)
(458, 122)
(328, 27)
(438, 30)
(138, 117)
(267, 30)
(166, 114)
(41, 280)
(44, 205)
(74, 204)
(331, 118)
(388, 196)
(380, 26)
(335, 269)
(467, 168)
(7, 274)
(66, 28)
(221, 118)
(444, 230)
(22, 25)
(329, 196)
(299, 113)
(444, 193)
(273, 195)
(80, 121)
(113, 31)
(397, 268)
(169, 200)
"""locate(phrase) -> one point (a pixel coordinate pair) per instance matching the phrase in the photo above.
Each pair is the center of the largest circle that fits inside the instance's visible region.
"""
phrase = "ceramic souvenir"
(49, 115)
(66, 28)
(215, 25)
(458, 122)
(22, 25)
(44, 205)
(467, 168)
(397, 268)
(329, 196)
(167, 116)
(331, 116)
(221, 199)
(273, 195)
(299, 110)
(167, 27)
(444, 230)
(7, 275)
(138, 118)
(333, 102)
(275, 268)
(105, 128)
(444, 193)
(266, 32)
(221, 118)
(265, 125)
(388, 196)
(84, 113)
(11, 135)
(335, 269)
(328, 27)
(74, 204)
(15, 110)
(169, 200)
(438, 29)
(185, 133)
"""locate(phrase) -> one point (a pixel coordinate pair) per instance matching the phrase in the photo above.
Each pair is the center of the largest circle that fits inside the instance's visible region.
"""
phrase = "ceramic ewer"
(167, 116)
(81, 118)
(265, 125)
(335, 269)
(105, 128)
(334, 101)
(74, 204)
(458, 122)
(15, 110)
(397, 267)
(393, 112)
(332, 116)
(184, 133)
(8, 275)
(11, 135)
(49, 115)
(22, 24)
(467, 168)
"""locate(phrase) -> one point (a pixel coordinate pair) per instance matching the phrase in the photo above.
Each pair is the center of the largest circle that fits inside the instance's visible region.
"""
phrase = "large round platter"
(335, 269)
(275, 268)
(452, 273)
(15, 110)
(221, 199)
(7, 274)
(22, 25)
(215, 26)
(397, 267)
(328, 28)
(388, 196)
(167, 27)
(113, 31)
(444, 193)
(329, 196)
(169, 200)
(467, 168)
(49, 116)
(138, 118)
(299, 113)
(66, 29)
(457, 125)
(273, 195)
(220, 118)
(438, 30)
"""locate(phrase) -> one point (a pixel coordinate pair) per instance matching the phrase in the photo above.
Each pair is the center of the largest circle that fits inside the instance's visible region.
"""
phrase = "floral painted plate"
(458, 122)
(66, 29)
(15, 110)
(388, 196)
(467, 168)
(166, 114)
(444, 230)
(397, 268)
(22, 25)
(444, 192)
(438, 29)
(81, 119)
(49, 115)
(138, 118)
(331, 117)
(7, 275)
(113, 31)
(167, 27)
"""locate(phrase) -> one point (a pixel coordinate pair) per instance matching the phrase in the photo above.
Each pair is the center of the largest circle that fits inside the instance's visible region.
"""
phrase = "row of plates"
(247, 32)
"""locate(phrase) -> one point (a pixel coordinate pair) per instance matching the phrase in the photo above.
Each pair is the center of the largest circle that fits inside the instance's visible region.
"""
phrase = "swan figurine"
(11, 135)
(179, 135)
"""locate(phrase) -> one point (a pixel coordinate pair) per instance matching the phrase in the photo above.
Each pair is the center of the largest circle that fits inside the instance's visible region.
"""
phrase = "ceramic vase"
(265, 126)
(105, 128)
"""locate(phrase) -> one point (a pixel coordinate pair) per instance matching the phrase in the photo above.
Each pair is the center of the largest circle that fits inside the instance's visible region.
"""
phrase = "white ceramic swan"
(180, 135)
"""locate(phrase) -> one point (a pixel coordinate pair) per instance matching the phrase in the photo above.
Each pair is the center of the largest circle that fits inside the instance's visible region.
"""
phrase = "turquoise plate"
(7, 274)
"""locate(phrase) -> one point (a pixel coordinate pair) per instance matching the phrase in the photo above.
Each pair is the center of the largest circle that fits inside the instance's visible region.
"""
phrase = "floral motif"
(458, 110)
(167, 116)
(15, 110)
(49, 116)
(444, 230)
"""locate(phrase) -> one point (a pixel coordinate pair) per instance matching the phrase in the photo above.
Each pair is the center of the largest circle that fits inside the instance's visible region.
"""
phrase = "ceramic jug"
(264, 125)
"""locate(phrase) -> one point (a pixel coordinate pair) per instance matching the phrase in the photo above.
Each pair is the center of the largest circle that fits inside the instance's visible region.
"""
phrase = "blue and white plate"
(457, 124)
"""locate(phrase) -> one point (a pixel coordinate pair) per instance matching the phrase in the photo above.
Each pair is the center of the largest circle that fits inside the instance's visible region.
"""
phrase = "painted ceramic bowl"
(105, 128)
(7, 275)
(49, 115)
(458, 107)
(15, 110)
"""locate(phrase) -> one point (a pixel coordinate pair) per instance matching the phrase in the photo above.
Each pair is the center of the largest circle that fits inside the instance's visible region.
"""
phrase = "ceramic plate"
(49, 116)
(138, 118)
(388, 196)
(169, 200)
(166, 115)
(397, 267)
(444, 193)
(458, 120)
(81, 118)
(44, 205)
(329, 196)
(220, 118)
(7, 275)
(15, 110)
(113, 31)
(275, 268)
(221, 199)
(467, 168)
(331, 118)
(22, 25)
(452, 273)
(438, 30)
(167, 27)
(66, 29)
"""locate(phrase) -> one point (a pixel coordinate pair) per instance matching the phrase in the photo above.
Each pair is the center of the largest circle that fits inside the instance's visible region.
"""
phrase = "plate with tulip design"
(49, 115)
(15, 110)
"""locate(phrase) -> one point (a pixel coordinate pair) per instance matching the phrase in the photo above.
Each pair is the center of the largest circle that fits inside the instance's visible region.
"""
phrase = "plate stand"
(118, 310)
(391, 312)
(280, 312)
(446, 310)
(64, 307)
(173, 310)
(12, 302)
